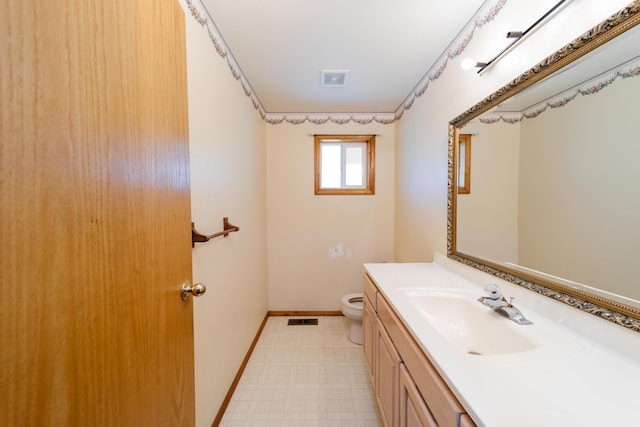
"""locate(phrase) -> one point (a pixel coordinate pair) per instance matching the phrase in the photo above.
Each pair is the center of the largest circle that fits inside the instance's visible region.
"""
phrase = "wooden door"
(94, 204)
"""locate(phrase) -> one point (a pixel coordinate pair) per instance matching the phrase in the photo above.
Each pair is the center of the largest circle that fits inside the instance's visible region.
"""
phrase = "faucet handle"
(493, 290)
(511, 299)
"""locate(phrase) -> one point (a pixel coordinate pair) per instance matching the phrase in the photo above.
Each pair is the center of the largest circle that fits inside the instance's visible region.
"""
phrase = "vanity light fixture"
(469, 63)
(514, 34)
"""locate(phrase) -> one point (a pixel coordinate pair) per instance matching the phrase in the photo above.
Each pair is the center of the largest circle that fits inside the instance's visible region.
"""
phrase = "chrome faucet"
(497, 302)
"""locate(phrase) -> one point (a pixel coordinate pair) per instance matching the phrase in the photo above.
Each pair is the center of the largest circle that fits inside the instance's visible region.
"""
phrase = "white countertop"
(584, 371)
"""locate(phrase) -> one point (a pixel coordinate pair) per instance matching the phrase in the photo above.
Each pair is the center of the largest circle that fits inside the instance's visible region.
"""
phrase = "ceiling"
(282, 45)
(594, 70)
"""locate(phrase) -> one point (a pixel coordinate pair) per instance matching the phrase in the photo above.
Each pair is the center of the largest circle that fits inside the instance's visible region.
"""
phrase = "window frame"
(463, 177)
(370, 141)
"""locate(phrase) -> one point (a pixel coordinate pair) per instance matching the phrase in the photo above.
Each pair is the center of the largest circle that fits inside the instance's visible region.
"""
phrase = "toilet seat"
(353, 301)
(352, 305)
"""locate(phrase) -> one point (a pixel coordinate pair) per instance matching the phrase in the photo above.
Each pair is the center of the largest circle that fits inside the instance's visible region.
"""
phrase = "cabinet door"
(387, 376)
(369, 329)
(466, 421)
(413, 411)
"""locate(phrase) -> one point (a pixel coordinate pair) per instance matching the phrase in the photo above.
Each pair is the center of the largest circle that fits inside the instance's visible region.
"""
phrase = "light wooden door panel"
(387, 376)
(413, 410)
(369, 330)
(95, 220)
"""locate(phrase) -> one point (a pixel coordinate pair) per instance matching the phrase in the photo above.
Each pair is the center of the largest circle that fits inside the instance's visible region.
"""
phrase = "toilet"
(352, 309)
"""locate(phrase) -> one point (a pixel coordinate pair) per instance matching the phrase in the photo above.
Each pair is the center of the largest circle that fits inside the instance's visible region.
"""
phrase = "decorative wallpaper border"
(594, 86)
(201, 15)
(199, 12)
(337, 118)
(435, 72)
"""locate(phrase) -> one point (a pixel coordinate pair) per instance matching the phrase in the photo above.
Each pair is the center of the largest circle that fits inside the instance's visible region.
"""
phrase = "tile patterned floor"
(304, 376)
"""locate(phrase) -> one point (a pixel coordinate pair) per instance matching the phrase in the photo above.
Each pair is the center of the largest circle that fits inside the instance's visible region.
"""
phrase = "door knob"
(195, 290)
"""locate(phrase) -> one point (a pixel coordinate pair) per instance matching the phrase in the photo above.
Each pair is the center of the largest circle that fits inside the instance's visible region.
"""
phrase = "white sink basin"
(467, 324)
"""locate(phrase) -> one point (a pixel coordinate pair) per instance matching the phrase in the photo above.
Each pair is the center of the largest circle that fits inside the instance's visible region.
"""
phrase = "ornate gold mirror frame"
(621, 314)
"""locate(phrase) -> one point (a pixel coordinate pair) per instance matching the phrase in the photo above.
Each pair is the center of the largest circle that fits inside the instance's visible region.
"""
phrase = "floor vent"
(302, 322)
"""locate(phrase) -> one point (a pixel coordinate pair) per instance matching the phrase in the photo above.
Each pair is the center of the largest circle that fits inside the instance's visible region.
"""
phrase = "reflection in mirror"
(555, 178)
(464, 163)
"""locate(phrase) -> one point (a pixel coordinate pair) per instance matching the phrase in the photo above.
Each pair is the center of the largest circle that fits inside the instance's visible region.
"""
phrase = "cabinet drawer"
(370, 291)
(441, 402)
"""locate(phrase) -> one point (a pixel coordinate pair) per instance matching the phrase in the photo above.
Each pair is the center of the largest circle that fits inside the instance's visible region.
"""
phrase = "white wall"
(421, 144)
(584, 201)
(303, 228)
(228, 173)
(487, 217)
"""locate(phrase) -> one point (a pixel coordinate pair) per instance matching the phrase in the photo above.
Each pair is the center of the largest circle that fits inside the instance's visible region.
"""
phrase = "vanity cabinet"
(383, 362)
(386, 376)
(413, 410)
(369, 331)
(408, 389)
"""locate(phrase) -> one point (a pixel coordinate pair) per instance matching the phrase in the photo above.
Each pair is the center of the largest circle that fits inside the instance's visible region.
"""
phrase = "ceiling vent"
(334, 78)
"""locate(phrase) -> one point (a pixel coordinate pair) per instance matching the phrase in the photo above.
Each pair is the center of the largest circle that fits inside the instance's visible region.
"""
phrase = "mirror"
(554, 205)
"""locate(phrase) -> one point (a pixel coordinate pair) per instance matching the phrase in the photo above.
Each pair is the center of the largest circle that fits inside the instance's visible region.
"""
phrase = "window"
(464, 164)
(344, 164)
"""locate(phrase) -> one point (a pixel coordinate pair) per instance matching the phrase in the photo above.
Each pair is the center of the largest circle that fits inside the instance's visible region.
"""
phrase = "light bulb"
(468, 63)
